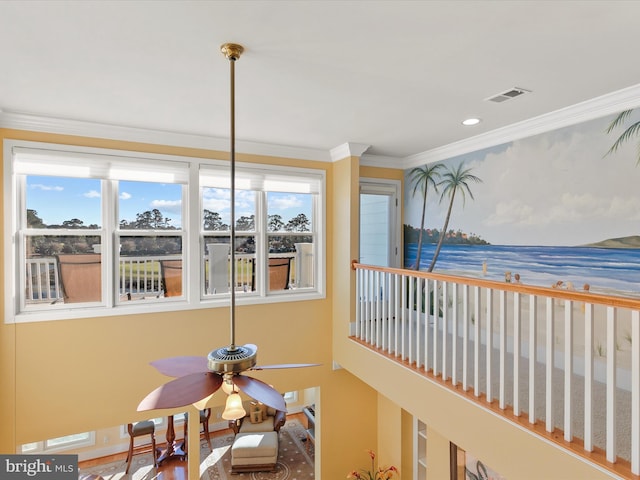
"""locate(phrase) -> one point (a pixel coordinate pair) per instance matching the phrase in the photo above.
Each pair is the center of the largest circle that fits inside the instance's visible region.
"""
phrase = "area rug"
(295, 460)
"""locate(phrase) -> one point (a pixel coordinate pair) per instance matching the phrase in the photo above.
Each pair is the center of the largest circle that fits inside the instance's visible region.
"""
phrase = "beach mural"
(559, 208)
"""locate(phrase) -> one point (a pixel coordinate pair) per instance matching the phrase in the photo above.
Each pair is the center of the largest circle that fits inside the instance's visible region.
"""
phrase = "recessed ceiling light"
(471, 121)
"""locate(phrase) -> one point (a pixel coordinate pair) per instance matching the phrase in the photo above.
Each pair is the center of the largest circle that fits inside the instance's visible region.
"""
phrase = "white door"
(379, 222)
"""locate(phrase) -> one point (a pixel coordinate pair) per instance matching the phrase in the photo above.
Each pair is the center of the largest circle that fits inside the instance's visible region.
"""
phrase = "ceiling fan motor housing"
(232, 359)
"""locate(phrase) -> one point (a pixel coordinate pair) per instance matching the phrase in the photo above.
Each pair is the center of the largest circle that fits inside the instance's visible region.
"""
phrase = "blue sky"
(57, 199)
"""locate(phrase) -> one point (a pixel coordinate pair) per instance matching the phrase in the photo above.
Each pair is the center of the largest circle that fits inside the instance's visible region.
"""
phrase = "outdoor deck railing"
(565, 360)
(142, 275)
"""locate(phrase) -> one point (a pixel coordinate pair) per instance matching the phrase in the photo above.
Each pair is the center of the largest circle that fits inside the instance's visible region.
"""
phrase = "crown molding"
(381, 161)
(348, 150)
(63, 126)
(610, 103)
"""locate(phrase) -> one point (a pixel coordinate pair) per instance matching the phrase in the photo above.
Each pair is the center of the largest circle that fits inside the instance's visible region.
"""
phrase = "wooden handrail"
(574, 295)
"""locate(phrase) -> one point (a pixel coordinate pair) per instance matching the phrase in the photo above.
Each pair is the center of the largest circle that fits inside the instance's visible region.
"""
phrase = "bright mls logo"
(38, 467)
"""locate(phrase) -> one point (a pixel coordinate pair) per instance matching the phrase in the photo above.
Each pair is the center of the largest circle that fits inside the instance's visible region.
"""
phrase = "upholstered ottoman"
(254, 452)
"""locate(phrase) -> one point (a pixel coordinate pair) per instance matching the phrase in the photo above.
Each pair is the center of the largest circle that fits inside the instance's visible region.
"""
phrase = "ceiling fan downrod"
(232, 52)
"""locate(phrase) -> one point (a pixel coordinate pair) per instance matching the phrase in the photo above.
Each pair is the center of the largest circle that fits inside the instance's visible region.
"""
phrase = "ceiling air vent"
(508, 95)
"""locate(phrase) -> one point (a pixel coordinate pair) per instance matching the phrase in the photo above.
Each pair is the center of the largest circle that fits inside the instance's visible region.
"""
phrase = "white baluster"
(445, 329)
(549, 366)
(503, 349)
(465, 337)
(635, 392)
(588, 377)
(611, 384)
(516, 354)
(489, 343)
(476, 344)
(568, 368)
(533, 332)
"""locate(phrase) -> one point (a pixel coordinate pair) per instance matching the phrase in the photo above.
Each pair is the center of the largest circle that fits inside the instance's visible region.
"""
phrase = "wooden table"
(174, 449)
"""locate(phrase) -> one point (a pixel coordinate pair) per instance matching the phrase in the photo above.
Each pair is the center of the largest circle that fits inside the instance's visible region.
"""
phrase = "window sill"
(157, 307)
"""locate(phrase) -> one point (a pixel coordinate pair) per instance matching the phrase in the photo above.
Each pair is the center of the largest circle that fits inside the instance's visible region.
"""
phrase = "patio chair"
(171, 271)
(279, 271)
(81, 277)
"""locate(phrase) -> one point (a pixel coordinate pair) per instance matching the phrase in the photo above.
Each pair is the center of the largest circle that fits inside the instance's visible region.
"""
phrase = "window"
(58, 444)
(68, 233)
(99, 230)
(276, 229)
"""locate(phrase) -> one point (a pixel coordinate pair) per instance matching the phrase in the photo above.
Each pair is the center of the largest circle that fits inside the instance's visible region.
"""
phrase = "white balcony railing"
(567, 360)
(142, 275)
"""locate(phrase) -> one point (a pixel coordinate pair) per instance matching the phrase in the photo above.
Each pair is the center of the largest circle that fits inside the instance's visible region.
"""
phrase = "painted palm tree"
(453, 181)
(421, 178)
(631, 131)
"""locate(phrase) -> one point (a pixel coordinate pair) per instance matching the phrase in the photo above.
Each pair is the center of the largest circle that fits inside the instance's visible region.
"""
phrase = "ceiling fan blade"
(260, 391)
(182, 391)
(285, 365)
(180, 366)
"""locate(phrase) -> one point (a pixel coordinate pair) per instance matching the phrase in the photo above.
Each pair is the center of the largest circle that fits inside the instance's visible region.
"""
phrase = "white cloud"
(215, 204)
(125, 196)
(282, 203)
(91, 194)
(40, 186)
(513, 212)
(174, 206)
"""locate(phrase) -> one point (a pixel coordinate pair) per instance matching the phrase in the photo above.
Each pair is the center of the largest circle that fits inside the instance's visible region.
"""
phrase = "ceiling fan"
(200, 377)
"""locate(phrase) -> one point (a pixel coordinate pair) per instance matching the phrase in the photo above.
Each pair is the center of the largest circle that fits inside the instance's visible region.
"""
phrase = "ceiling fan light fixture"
(233, 409)
(228, 386)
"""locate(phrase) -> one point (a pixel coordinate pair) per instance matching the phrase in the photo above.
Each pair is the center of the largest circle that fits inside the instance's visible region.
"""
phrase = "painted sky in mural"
(556, 188)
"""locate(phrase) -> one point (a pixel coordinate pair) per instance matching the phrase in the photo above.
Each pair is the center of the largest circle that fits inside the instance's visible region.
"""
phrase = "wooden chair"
(138, 429)
(171, 272)
(81, 277)
(204, 421)
(279, 272)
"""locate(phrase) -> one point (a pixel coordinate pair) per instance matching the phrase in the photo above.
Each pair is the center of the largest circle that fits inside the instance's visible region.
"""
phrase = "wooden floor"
(172, 469)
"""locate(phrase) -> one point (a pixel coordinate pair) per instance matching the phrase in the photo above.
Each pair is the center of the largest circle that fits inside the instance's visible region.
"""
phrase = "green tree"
(33, 220)
(421, 178)
(299, 223)
(213, 221)
(73, 223)
(149, 220)
(275, 223)
(453, 180)
(245, 223)
(631, 131)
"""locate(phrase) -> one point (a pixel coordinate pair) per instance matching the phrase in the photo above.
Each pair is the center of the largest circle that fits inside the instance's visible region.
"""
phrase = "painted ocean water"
(606, 270)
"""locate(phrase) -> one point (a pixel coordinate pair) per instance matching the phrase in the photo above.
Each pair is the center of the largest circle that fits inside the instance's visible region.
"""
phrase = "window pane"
(289, 212)
(30, 447)
(217, 267)
(150, 206)
(67, 440)
(60, 202)
(150, 267)
(300, 249)
(63, 269)
(217, 209)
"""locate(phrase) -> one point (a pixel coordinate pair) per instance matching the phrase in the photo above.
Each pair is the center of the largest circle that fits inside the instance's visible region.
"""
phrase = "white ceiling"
(399, 76)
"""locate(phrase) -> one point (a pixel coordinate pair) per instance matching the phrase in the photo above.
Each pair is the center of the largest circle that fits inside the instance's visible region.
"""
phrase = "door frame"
(393, 189)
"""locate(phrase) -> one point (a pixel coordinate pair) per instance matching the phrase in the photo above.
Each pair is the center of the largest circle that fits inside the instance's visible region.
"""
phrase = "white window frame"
(250, 174)
(43, 446)
(191, 232)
